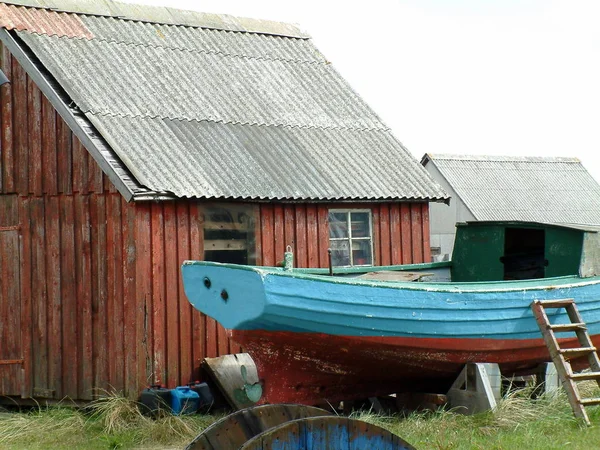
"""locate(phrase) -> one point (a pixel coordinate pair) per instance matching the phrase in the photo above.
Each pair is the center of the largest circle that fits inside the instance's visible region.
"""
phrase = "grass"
(113, 422)
(518, 422)
(116, 423)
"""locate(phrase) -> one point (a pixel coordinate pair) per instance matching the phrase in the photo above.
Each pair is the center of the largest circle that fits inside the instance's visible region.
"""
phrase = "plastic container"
(154, 399)
(206, 399)
(184, 400)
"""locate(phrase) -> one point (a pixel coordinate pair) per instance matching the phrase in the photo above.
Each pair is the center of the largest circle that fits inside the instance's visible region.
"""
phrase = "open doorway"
(524, 257)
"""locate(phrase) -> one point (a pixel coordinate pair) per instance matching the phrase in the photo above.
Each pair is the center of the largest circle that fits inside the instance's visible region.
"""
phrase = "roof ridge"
(165, 15)
(502, 158)
(185, 49)
(234, 122)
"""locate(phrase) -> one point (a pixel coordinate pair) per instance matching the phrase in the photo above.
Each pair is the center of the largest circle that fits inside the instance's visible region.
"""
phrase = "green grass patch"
(113, 422)
(116, 423)
(519, 422)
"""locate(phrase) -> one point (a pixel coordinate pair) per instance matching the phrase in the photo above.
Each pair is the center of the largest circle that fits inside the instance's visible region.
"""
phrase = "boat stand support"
(477, 388)
(547, 379)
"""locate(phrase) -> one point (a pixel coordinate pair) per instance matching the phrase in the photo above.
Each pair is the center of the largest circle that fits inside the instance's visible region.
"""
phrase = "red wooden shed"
(134, 138)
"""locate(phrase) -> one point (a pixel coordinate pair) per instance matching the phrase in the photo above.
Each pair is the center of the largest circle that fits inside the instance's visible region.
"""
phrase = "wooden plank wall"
(10, 299)
(101, 299)
(174, 338)
(102, 305)
(107, 305)
(400, 233)
(105, 275)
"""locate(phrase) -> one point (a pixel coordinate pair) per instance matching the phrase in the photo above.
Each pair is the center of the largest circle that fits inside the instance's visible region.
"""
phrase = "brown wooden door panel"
(11, 352)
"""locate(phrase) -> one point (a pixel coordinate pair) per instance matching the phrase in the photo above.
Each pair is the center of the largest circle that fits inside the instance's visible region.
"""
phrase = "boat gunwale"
(550, 283)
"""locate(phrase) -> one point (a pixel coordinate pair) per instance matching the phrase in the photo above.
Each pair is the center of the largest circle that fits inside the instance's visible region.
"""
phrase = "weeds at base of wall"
(111, 422)
(114, 422)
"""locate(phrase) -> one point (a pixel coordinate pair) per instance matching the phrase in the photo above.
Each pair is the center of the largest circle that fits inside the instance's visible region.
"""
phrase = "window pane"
(360, 224)
(350, 237)
(229, 234)
(361, 252)
(338, 225)
(340, 253)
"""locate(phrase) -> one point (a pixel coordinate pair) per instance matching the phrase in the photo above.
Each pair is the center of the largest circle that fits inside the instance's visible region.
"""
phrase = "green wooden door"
(477, 253)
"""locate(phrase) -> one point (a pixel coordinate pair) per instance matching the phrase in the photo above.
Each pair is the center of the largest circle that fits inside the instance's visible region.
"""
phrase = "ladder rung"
(568, 379)
(585, 376)
(578, 326)
(556, 303)
(575, 352)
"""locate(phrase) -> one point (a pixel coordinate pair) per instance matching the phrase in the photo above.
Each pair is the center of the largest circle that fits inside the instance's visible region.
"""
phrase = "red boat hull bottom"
(311, 368)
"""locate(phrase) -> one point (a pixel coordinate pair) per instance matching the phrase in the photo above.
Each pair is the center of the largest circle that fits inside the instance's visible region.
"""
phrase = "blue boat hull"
(263, 299)
(318, 337)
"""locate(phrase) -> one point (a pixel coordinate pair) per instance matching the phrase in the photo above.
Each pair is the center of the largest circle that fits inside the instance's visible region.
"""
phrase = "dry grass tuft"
(112, 421)
(517, 414)
(116, 413)
(59, 422)
(116, 422)
(517, 407)
(172, 426)
(119, 415)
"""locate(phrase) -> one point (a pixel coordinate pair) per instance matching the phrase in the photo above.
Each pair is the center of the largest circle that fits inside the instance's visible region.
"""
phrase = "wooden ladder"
(561, 357)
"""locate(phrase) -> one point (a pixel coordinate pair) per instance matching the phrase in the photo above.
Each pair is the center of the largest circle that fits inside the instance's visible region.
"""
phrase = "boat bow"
(220, 292)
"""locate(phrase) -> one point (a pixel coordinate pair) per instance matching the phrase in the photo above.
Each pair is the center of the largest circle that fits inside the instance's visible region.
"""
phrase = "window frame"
(350, 239)
(250, 244)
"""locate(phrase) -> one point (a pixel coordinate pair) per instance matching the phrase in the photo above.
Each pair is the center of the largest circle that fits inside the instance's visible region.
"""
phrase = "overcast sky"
(496, 77)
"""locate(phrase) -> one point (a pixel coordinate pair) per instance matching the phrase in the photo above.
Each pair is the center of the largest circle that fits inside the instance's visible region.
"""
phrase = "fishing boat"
(318, 336)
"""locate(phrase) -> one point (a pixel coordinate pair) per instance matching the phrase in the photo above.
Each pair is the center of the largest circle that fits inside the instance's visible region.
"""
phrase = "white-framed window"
(351, 237)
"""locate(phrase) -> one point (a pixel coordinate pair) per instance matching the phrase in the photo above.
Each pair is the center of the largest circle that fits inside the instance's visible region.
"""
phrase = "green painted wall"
(479, 246)
(477, 252)
(563, 251)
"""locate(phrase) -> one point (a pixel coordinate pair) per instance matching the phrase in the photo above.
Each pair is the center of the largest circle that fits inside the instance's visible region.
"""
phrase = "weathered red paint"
(313, 368)
(98, 301)
(43, 21)
(26, 305)
(305, 227)
(18, 87)
(10, 332)
(322, 226)
(300, 243)
(7, 155)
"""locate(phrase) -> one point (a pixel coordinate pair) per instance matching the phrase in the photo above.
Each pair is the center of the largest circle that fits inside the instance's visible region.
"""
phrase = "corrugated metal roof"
(164, 15)
(209, 113)
(42, 21)
(550, 190)
(246, 161)
(156, 81)
(209, 41)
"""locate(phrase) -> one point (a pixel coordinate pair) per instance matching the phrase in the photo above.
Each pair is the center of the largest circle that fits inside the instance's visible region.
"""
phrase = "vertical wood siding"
(400, 233)
(11, 344)
(109, 309)
(99, 299)
(94, 300)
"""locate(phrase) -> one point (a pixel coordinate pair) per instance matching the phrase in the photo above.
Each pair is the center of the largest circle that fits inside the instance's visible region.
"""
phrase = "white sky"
(497, 77)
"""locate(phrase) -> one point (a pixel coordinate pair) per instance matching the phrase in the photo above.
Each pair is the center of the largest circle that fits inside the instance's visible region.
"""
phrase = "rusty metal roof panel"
(160, 94)
(550, 190)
